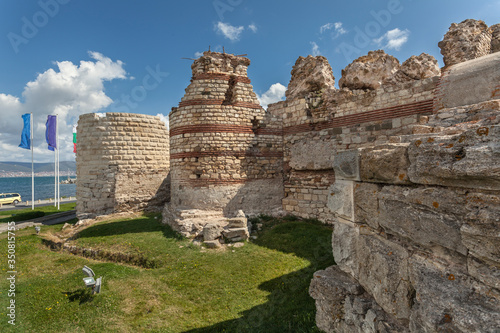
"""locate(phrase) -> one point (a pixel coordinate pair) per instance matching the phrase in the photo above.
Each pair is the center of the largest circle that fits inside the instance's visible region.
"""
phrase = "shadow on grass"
(81, 295)
(289, 307)
(22, 216)
(139, 225)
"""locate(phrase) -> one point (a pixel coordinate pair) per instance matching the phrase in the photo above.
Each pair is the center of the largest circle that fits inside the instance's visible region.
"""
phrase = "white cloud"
(230, 32)
(315, 49)
(339, 29)
(393, 39)
(69, 91)
(252, 27)
(325, 27)
(198, 54)
(337, 26)
(163, 118)
(274, 94)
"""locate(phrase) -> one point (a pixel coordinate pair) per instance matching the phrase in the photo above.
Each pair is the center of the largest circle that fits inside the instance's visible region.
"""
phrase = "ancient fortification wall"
(122, 163)
(415, 196)
(402, 161)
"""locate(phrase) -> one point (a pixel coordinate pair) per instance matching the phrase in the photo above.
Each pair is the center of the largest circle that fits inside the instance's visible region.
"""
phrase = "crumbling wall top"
(369, 71)
(222, 63)
(495, 37)
(311, 74)
(467, 40)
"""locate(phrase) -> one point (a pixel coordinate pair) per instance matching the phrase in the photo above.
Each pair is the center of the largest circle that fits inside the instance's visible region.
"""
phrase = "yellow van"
(10, 198)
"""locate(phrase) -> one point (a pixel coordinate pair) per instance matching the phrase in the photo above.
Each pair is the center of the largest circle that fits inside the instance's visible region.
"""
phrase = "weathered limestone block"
(312, 154)
(211, 232)
(482, 240)
(488, 272)
(329, 288)
(362, 314)
(237, 222)
(467, 40)
(354, 202)
(471, 82)
(380, 164)
(495, 37)
(447, 300)
(346, 165)
(481, 234)
(428, 216)
(369, 71)
(470, 159)
(385, 164)
(366, 204)
(416, 68)
(311, 74)
(383, 272)
(236, 234)
(344, 239)
(341, 199)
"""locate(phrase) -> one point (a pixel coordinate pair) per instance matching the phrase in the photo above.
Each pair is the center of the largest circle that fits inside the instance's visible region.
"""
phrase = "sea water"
(44, 187)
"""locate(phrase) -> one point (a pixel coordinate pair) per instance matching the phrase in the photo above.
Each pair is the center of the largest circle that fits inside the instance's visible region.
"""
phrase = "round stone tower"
(225, 150)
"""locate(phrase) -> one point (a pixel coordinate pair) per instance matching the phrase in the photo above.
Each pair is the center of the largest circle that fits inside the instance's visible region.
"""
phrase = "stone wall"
(313, 135)
(122, 163)
(414, 201)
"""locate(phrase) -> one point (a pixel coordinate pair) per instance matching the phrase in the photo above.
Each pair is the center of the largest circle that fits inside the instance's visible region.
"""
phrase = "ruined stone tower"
(122, 163)
(226, 150)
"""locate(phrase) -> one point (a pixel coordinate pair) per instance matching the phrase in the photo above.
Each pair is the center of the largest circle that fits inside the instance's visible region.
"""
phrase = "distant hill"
(39, 167)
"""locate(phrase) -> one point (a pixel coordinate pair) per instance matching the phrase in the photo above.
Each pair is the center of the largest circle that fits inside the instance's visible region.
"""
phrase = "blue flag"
(26, 134)
(50, 132)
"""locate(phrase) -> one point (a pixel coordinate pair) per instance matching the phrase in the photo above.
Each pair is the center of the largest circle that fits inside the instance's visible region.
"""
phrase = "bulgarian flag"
(74, 139)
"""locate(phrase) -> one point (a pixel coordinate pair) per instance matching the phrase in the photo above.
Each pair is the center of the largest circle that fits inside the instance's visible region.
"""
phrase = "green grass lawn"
(18, 215)
(260, 287)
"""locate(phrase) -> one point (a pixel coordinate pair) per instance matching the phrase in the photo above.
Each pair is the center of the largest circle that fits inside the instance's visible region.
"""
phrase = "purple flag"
(50, 132)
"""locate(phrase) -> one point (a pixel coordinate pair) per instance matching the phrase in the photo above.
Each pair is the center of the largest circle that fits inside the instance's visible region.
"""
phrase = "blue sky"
(78, 56)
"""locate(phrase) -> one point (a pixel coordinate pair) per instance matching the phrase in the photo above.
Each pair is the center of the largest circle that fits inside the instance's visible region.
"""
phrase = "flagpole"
(32, 166)
(58, 157)
(55, 171)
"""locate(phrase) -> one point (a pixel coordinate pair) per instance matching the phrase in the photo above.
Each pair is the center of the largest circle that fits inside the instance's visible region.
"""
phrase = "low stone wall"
(122, 163)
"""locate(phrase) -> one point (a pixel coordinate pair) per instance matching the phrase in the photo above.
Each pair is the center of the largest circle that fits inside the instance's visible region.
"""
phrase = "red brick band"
(211, 128)
(201, 102)
(207, 182)
(220, 76)
(365, 117)
(222, 128)
(223, 153)
(247, 105)
(218, 102)
(268, 131)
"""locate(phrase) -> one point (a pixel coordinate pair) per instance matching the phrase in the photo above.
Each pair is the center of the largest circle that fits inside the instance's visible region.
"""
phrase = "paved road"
(23, 205)
(44, 220)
